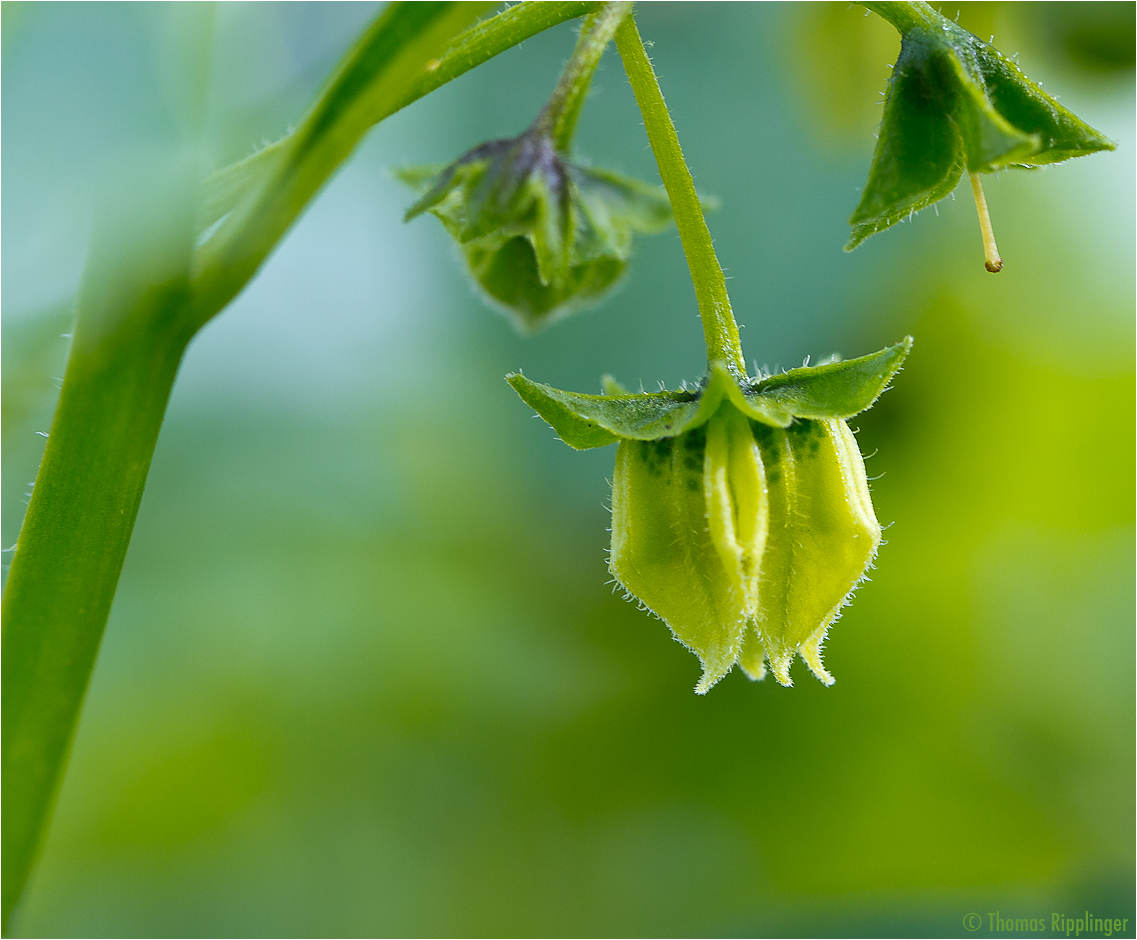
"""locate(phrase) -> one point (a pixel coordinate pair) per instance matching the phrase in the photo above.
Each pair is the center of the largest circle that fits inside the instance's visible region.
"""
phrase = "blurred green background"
(366, 674)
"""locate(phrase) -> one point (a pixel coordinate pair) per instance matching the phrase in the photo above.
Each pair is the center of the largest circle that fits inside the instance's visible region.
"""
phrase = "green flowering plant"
(956, 104)
(741, 514)
(741, 510)
(543, 235)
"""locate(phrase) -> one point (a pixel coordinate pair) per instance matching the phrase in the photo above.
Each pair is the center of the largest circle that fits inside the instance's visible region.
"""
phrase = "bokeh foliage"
(364, 674)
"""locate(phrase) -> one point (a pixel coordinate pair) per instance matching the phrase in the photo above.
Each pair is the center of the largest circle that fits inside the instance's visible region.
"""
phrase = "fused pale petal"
(823, 535)
(688, 531)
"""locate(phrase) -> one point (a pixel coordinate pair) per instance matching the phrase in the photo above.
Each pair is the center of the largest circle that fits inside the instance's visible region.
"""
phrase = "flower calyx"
(542, 236)
(956, 104)
(740, 510)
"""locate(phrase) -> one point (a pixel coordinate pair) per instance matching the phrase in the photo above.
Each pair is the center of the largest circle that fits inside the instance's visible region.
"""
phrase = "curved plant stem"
(71, 551)
(481, 42)
(394, 63)
(719, 328)
(561, 113)
(134, 325)
(378, 73)
(903, 15)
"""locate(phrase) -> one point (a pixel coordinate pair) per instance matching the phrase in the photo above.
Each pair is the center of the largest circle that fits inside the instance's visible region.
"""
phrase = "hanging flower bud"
(740, 512)
(543, 235)
(540, 235)
(956, 104)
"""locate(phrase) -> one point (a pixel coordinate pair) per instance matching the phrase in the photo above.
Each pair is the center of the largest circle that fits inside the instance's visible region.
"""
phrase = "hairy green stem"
(388, 59)
(562, 112)
(719, 328)
(487, 39)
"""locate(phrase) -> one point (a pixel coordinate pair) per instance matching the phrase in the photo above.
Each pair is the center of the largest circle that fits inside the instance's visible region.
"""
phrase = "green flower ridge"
(956, 104)
(741, 513)
(541, 236)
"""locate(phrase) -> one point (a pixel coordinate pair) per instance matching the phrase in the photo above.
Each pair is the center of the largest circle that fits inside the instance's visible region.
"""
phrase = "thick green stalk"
(71, 549)
(562, 112)
(719, 328)
(904, 16)
(393, 53)
(133, 328)
(409, 51)
(480, 43)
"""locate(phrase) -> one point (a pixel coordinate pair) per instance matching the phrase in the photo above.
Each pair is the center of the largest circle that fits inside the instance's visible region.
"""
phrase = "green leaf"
(611, 207)
(955, 104)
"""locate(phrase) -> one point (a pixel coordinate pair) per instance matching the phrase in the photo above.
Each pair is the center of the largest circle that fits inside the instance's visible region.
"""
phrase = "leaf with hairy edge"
(956, 104)
(586, 421)
(834, 390)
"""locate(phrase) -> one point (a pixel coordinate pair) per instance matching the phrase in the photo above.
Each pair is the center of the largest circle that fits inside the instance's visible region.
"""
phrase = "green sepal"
(955, 104)
(586, 421)
(612, 207)
(741, 513)
(834, 390)
(540, 235)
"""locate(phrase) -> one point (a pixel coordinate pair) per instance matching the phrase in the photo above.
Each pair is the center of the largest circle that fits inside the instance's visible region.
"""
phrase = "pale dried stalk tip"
(991, 258)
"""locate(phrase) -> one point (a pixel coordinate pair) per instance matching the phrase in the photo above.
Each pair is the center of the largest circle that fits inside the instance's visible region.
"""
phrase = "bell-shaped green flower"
(956, 104)
(541, 236)
(740, 511)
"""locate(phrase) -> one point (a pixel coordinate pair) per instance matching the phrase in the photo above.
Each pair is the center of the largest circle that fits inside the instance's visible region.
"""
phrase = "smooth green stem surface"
(120, 373)
(478, 44)
(70, 552)
(719, 328)
(410, 50)
(904, 16)
(394, 52)
(561, 114)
